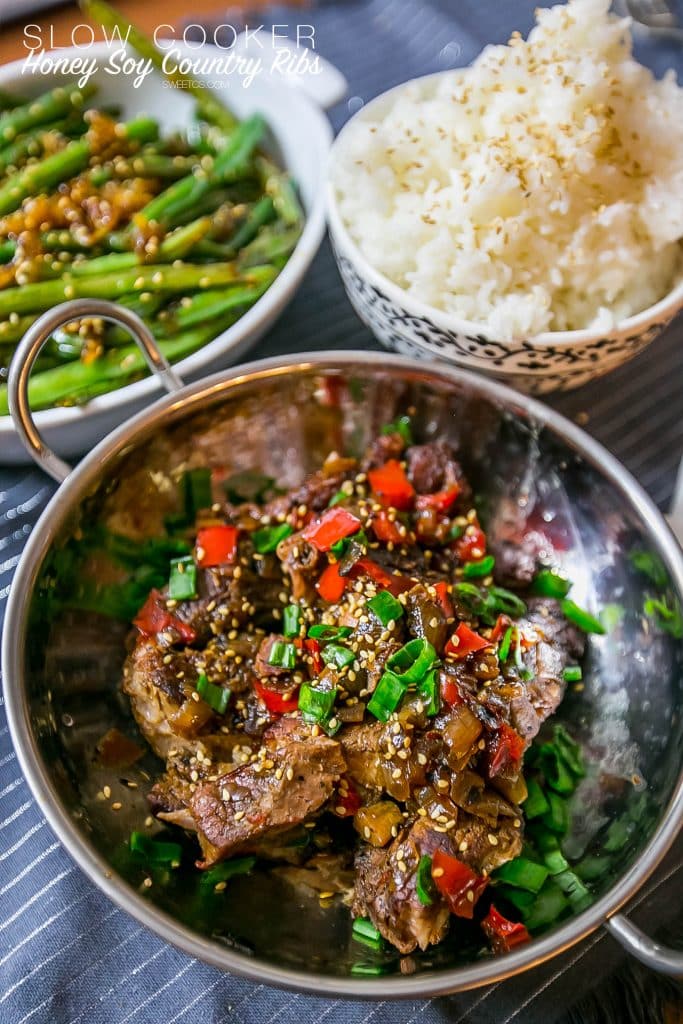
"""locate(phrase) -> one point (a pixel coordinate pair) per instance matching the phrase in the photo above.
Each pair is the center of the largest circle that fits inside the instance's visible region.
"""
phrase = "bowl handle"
(27, 352)
(642, 947)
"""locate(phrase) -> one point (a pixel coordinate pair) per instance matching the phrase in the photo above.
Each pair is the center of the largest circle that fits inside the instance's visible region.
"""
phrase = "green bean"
(269, 246)
(48, 107)
(185, 277)
(13, 330)
(106, 16)
(280, 188)
(79, 381)
(153, 165)
(231, 163)
(44, 175)
(174, 247)
(61, 166)
(196, 309)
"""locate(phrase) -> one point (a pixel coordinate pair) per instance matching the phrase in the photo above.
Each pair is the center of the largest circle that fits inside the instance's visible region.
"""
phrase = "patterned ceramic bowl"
(553, 361)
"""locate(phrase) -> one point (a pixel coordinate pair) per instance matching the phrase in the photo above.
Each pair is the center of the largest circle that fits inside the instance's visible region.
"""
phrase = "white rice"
(539, 190)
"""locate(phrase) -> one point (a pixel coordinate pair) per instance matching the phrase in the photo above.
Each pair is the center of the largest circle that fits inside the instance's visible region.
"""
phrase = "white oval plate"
(300, 135)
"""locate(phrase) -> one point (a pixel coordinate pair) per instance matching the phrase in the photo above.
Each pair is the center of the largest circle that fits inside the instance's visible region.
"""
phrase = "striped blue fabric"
(67, 955)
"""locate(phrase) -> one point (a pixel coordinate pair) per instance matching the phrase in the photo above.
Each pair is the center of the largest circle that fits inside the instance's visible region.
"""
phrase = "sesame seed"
(437, 872)
(239, 815)
(492, 839)
(220, 886)
(463, 846)
(396, 774)
(116, 806)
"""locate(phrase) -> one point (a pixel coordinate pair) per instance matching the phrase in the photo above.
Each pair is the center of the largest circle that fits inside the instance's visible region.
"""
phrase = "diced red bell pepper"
(331, 585)
(386, 529)
(471, 547)
(276, 702)
(443, 598)
(347, 799)
(505, 752)
(465, 641)
(312, 648)
(503, 935)
(503, 623)
(154, 617)
(450, 691)
(391, 485)
(459, 885)
(335, 524)
(386, 581)
(440, 501)
(216, 545)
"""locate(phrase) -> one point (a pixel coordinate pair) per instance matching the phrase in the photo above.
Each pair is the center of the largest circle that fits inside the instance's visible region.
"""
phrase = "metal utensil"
(61, 674)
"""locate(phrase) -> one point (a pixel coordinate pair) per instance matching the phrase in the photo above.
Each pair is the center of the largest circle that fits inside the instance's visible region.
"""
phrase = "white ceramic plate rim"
(665, 308)
(237, 336)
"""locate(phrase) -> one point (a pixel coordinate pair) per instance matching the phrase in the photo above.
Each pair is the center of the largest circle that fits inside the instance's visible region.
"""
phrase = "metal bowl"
(531, 469)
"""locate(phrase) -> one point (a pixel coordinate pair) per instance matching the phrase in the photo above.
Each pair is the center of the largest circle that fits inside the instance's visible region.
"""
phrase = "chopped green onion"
(505, 644)
(524, 672)
(556, 862)
(316, 705)
(593, 867)
(337, 499)
(387, 696)
(196, 491)
(324, 632)
(572, 886)
(400, 426)
(557, 817)
(291, 620)
(413, 661)
(227, 870)
(502, 600)
(535, 804)
(282, 655)
(519, 898)
(428, 690)
(216, 697)
(556, 772)
(572, 674)
(581, 618)
(369, 969)
(649, 565)
(473, 570)
(363, 930)
(549, 583)
(455, 532)
(570, 751)
(385, 607)
(618, 835)
(548, 906)
(340, 547)
(337, 656)
(424, 883)
(268, 537)
(667, 618)
(155, 851)
(523, 874)
(182, 584)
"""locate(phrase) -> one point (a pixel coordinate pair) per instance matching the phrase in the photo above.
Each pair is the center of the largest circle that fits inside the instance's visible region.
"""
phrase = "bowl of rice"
(522, 216)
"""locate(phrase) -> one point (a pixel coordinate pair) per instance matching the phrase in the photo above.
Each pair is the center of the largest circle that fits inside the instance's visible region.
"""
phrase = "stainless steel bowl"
(531, 469)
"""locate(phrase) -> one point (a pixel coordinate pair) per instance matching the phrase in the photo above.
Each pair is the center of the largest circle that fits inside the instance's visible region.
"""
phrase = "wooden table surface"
(58, 22)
